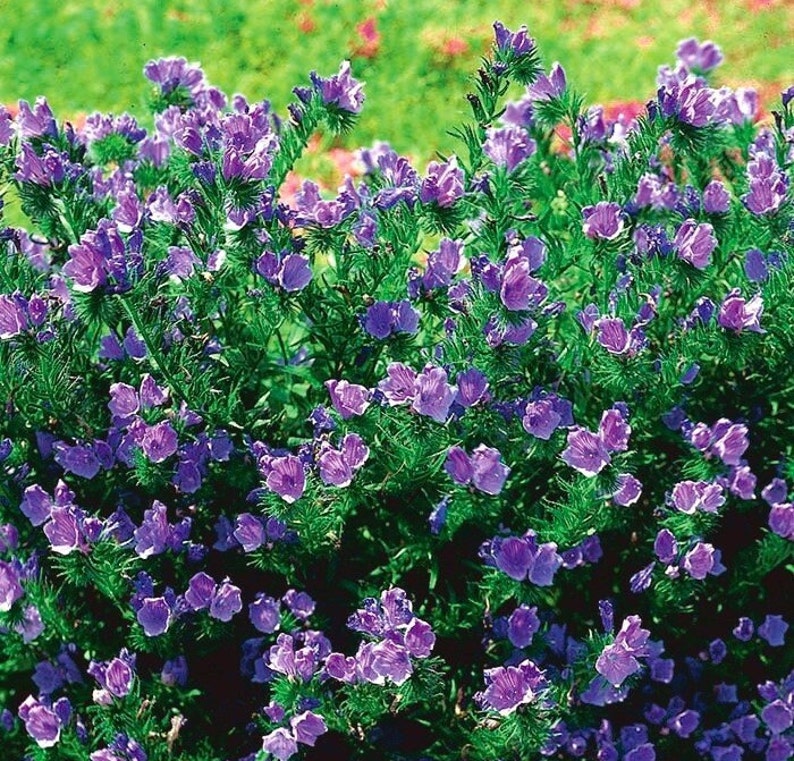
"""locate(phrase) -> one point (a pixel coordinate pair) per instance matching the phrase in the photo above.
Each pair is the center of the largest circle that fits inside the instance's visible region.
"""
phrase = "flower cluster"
(531, 403)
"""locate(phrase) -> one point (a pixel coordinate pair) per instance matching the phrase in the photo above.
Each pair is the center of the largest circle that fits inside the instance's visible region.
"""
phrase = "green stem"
(154, 354)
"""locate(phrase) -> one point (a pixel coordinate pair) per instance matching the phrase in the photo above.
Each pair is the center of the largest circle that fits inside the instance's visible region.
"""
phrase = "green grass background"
(88, 55)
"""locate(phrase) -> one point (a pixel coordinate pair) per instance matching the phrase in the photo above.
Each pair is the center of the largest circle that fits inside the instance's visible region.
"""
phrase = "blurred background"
(415, 55)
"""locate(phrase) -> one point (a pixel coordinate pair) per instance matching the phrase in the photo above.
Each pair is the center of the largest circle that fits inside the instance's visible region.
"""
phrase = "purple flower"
(701, 560)
(715, 198)
(665, 546)
(64, 531)
(265, 614)
(699, 56)
(280, 743)
(548, 87)
(768, 186)
(488, 471)
(472, 387)
(777, 716)
(419, 638)
(123, 402)
(41, 722)
(781, 520)
(10, 588)
(519, 291)
(690, 496)
(695, 243)
(154, 616)
(586, 452)
(391, 661)
(300, 604)
(295, 273)
(743, 631)
(398, 386)
(341, 90)
(628, 490)
(433, 396)
(159, 441)
(308, 726)
(737, 314)
(226, 601)
(508, 146)
(249, 531)
(506, 688)
(522, 625)
(13, 319)
(519, 43)
(613, 336)
(443, 184)
(36, 504)
(78, 459)
(287, 477)
(618, 661)
(200, 590)
(773, 630)
(348, 399)
(541, 419)
(115, 676)
(604, 221)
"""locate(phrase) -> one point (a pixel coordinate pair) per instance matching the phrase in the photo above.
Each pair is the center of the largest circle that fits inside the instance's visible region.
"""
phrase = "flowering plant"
(375, 473)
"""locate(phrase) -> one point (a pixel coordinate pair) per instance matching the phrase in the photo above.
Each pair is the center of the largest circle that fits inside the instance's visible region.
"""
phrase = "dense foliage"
(489, 461)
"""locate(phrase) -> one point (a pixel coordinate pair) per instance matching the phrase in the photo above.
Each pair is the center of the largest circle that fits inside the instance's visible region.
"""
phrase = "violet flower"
(507, 688)
(604, 221)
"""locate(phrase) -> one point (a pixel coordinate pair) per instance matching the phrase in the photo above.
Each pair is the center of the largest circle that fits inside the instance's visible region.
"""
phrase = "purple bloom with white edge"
(690, 496)
(10, 588)
(775, 492)
(700, 561)
(715, 198)
(695, 243)
(665, 546)
(287, 478)
(36, 504)
(64, 531)
(586, 452)
(226, 601)
(348, 399)
(604, 221)
(773, 630)
(548, 87)
(738, 314)
(619, 660)
(265, 614)
(42, 723)
(154, 616)
(308, 726)
(124, 402)
(443, 184)
(489, 473)
(115, 677)
(506, 688)
(729, 441)
(612, 334)
(13, 319)
(280, 743)
(433, 396)
(249, 531)
(522, 625)
(628, 490)
(508, 146)
(295, 273)
(778, 716)
(614, 430)
(541, 419)
(781, 520)
(159, 441)
(398, 386)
